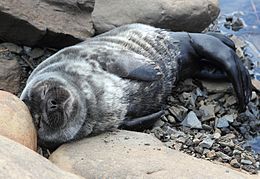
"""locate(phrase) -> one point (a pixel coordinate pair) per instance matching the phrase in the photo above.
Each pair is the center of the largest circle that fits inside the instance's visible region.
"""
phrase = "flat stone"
(16, 121)
(10, 74)
(208, 112)
(51, 23)
(192, 16)
(131, 158)
(246, 162)
(17, 161)
(217, 87)
(192, 121)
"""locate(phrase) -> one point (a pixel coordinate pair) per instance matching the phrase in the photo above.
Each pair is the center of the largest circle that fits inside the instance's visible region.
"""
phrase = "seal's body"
(120, 78)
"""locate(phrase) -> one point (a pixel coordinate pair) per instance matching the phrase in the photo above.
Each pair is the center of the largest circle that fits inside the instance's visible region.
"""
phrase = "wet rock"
(118, 157)
(174, 15)
(51, 23)
(207, 112)
(16, 121)
(18, 161)
(10, 74)
(192, 121)
(10, 47)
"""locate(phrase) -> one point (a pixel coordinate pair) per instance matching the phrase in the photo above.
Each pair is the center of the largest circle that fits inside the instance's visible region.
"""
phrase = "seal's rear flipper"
(215, 52)
(141, 123)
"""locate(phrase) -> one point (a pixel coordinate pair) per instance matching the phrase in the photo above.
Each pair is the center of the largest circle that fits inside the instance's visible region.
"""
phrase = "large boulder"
(52, 23)
(128, 154)
(16, 121)
(176, 15)
(18, 162)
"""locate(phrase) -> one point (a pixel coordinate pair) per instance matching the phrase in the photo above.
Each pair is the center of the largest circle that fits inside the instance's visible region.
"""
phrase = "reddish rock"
(16, 121)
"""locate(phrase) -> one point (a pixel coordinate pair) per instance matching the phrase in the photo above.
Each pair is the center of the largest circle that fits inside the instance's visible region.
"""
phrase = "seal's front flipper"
(133, 66)
(215, 52)
(141, 123)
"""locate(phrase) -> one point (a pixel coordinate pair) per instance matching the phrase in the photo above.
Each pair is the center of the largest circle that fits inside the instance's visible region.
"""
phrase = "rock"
(246, 162)
(231, 100)
(171, 119)
(36, 53)
(217, 87)
(179, 112)
(192, 121)
(16, 121)
(18, 161)
(234, 163)
(206, 143)
(10, 74)
(51, 23)
(207, 112)
(256, 85)
(131, 158)
(223, 156)
(10, 47)
(221, 123)
(193, 16)
(188, 98)
(211, 154)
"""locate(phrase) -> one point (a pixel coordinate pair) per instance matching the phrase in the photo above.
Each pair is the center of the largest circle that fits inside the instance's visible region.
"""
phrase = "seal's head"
(57, 110)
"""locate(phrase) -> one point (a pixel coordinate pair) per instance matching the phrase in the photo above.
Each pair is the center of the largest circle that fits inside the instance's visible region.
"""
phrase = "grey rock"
(36, 53)
(234, 163)
(223, 156)
(10, 47)
(208, 112)
(171, 119)
(179, 112)
(87, 5)
(211, 154)
(221, 123)
(193, 16)
(10, 75)
(52, 23)
(206, 143)
(192, 121)
(217, 87)
(231, 100)
(188, 98)
(246, 162)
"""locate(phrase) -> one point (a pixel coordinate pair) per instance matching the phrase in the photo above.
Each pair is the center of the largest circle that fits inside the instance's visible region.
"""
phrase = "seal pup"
(122, 79)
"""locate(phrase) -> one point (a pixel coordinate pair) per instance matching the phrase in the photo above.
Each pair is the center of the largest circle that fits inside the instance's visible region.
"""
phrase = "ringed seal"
(122, 79)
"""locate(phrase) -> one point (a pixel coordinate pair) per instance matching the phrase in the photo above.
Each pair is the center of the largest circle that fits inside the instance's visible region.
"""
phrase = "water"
(249, 12)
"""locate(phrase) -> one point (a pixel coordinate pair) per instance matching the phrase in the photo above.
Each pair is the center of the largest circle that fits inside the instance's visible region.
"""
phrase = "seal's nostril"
(52, 104)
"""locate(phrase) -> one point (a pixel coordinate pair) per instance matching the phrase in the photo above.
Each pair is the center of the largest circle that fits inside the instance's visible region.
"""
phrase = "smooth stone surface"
(192, 121)
(18, 162)
(217, 87)
(127, 154)
(10, 74)
(16, 121)
(177, 15)
(222, 122)
(51, 23)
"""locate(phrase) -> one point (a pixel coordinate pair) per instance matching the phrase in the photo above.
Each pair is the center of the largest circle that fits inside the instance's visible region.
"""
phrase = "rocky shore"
(201, 118)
